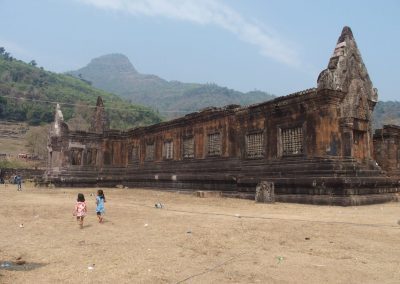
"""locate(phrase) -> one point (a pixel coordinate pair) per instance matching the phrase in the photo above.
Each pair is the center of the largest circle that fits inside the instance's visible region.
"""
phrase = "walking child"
(100, 199)
(80, 209)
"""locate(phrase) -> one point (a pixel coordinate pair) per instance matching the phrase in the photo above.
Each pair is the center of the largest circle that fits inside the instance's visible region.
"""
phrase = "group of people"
(17, 179)
(80, 209)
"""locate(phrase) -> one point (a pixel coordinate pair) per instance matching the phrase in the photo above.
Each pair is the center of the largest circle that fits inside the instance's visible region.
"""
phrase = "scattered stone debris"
(6, 264)
(20, 261)
(307, 239)
(119, 186)
(91, 267)
(280, 259)
(21, 225)
(159, 205)
(19, 265)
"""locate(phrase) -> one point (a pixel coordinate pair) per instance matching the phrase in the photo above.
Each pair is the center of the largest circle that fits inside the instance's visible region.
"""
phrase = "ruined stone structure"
(387, 149)
(315, 146)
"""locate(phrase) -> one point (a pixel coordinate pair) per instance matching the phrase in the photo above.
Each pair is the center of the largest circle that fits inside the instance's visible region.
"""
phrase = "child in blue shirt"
(100, 199)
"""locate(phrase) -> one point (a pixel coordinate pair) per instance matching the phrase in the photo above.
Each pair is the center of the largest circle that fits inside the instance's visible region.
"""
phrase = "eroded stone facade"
(387, 149)
(315, 145)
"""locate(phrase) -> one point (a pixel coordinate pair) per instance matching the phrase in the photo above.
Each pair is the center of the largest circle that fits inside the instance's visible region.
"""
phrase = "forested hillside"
(386, 113)
(115, 73)
(29, 93)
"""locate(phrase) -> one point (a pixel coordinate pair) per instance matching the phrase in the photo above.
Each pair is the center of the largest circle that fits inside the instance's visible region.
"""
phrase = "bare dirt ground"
(193, 240)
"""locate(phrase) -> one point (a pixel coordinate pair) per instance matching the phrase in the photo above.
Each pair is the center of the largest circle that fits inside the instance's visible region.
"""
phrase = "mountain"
(115, 73)
(28, 93)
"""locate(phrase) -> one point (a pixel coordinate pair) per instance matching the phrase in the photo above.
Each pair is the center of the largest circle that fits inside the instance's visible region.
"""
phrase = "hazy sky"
(276, 46)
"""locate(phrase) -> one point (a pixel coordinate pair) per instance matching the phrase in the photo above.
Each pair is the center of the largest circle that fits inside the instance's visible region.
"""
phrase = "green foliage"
(14, 164)
(28, 93)
(33, 63)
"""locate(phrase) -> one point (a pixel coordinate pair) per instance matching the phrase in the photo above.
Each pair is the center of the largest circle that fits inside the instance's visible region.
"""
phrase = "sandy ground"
(193, 240)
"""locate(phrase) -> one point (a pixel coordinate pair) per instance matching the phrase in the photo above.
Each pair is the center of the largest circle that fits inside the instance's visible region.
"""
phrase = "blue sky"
(274, 46)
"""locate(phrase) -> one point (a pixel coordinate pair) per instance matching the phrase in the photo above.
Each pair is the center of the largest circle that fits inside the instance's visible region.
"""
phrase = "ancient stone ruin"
(315, 146)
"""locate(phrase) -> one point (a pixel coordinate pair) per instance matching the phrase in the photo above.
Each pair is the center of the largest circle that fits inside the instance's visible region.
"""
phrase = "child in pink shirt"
(80, 209)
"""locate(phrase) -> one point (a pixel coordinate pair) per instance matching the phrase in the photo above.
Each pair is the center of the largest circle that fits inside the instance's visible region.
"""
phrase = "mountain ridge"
(172, 97)
(28, 92)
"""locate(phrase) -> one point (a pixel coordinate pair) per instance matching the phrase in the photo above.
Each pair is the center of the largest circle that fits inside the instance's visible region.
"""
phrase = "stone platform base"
(205, 194)
(353, 200)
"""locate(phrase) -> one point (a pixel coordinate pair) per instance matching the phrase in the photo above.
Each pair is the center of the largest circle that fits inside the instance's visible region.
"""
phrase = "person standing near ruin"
(80, 209)
(18, 181)
(100, 199)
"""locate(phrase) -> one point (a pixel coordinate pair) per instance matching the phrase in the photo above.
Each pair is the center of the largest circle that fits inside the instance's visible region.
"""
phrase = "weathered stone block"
(205, 194)
(265, 192)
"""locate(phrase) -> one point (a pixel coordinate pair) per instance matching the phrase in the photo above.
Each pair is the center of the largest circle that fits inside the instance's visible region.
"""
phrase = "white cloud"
(207, 12)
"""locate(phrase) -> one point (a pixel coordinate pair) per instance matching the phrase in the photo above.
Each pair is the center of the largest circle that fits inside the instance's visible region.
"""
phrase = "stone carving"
(58, 119)
(347, 73)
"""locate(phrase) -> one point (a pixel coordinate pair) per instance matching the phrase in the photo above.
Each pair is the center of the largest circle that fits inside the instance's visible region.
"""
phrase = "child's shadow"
(107, 221)
(87, 226)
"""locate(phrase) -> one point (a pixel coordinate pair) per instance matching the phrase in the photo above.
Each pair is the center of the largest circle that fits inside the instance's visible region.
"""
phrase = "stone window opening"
(76, 156)
(214, 144)
(254, 145)
(91, 156)
(188, 148)
(168, 150)
(150, 148)
(135, 154)
(292, 141)
(398, 158)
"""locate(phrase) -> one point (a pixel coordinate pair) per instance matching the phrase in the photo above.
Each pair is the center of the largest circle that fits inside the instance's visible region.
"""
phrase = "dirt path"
(193, 240)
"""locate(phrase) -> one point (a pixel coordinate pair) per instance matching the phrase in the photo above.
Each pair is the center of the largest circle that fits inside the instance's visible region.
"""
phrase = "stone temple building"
(317, 146)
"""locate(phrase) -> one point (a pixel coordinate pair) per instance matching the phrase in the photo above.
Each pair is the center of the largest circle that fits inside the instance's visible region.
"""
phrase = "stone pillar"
(346, 125)
(265, 192)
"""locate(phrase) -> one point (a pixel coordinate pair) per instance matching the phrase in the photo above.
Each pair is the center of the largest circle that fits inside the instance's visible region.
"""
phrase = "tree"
(78, 123)
(33, 63)
(2, 50)
(47, 117)
(36, 138)
(81, 117)
(3, 107)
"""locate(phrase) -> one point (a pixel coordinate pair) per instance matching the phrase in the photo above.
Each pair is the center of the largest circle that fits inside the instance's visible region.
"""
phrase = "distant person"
(80, 209)
(100, 199)
(18, 181)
